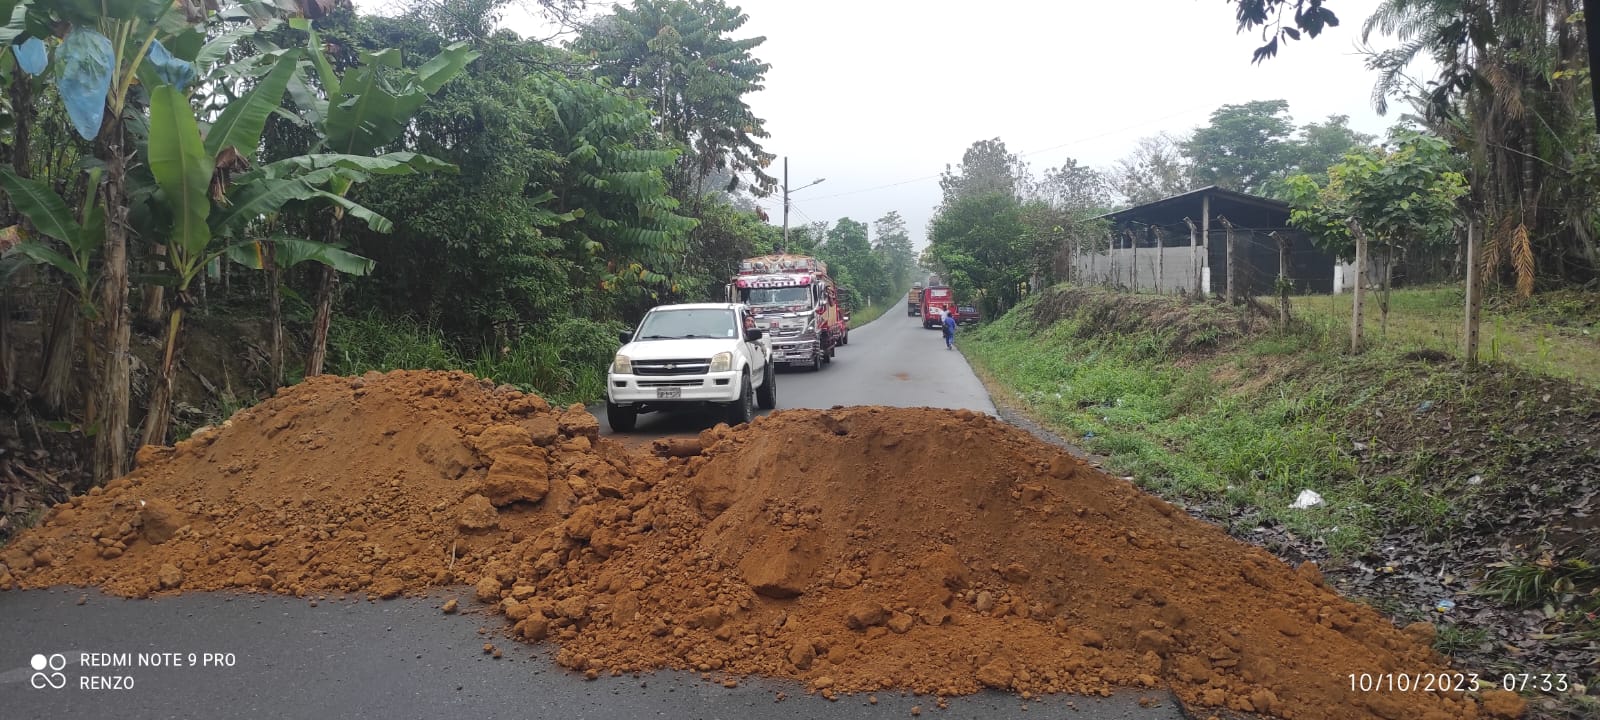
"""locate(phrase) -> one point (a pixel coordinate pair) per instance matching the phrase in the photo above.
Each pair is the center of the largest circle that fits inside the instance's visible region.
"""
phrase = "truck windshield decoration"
(786, 296)
(688, 324)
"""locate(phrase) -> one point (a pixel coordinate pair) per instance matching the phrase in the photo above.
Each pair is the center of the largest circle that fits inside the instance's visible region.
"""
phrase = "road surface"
(891, 361)
(278, 657)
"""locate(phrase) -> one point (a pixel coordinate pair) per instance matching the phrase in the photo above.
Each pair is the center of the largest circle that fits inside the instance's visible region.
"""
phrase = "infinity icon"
(56, 679)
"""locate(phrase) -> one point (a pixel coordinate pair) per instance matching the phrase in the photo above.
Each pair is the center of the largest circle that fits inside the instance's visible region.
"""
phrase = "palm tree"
(1506, 95)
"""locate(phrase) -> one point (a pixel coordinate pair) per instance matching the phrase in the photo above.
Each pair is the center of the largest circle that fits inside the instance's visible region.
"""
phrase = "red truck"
(934, 299)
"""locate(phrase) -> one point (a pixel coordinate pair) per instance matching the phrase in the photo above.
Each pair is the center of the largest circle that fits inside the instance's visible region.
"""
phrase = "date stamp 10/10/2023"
(1459, 682)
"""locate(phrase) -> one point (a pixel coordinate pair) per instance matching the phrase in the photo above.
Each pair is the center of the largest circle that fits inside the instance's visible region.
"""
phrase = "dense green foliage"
(1001, 233)
(1510, 90)
(1242, 147)
(679, 57)
(505, 205)
(1399, 198)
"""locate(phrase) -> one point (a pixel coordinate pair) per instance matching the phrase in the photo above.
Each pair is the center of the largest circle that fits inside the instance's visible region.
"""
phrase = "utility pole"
(786, 203)
(786, 192)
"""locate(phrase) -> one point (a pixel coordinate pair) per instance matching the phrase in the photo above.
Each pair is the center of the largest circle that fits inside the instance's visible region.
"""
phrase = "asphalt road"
(278, 657)
(891, 361)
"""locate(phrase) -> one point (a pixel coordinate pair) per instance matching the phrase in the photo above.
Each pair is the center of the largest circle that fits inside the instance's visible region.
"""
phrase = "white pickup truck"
(683, 355)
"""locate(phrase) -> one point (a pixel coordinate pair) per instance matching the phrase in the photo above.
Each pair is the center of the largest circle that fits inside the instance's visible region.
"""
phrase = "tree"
(986, 167)
(977, 242)
(1154, 170)
(892, 243)
(854, 266)
(724, 236)
(1243, 146)
(358, 113)
(95, 77)
(1506, 91)
(1076, 188)
(1392, 199)
(806, 239)
(560, 211)
(1322, 145)
(679, 56)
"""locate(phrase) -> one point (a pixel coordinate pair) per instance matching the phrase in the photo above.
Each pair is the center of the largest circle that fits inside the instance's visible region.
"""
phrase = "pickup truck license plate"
(668, 393)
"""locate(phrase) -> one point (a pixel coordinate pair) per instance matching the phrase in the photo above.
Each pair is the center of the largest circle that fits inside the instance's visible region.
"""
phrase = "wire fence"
(1160, 259)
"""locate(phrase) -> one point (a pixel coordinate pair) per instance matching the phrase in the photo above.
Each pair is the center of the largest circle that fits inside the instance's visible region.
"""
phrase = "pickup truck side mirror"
(626, 336)
(752, 335)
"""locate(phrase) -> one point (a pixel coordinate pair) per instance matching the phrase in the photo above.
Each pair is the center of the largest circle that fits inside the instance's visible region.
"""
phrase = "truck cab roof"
(699, 306)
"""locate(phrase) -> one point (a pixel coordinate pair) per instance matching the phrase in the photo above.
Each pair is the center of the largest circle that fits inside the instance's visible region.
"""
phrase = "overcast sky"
(874, 93)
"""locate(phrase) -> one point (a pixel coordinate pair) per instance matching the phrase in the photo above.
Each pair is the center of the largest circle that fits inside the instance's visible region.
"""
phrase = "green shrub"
(565, 360)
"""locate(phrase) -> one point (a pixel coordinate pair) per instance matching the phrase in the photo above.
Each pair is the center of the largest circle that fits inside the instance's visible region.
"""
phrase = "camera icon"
(54, 678)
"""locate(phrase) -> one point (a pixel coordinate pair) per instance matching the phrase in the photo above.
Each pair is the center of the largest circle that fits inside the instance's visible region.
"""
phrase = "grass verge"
(1556, 334)
(1434, 482)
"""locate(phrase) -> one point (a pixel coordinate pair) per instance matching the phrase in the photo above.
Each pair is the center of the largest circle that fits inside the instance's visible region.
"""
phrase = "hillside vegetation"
(1435, 483)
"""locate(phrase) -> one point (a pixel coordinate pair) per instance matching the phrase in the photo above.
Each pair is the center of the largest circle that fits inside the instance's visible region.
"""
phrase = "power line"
(1020, 155)
(797, 209)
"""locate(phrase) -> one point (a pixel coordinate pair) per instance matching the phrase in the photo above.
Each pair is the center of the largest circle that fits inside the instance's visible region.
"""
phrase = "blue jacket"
(950, 323)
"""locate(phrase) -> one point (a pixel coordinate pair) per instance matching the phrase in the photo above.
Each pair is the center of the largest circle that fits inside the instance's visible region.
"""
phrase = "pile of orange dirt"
(854, 549)
(384, 484)
(945, 552)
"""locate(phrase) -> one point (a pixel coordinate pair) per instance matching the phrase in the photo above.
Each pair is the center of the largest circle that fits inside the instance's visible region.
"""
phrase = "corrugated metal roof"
(1217, 193)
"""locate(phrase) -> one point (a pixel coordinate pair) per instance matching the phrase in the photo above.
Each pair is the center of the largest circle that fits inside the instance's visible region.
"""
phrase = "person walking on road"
(949, 326)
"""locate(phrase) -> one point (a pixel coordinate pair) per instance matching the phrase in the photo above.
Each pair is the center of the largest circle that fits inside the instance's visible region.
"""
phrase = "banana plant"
(67, 243)
(354, 116)
(96, 53)
(212, 209)
(52, 219)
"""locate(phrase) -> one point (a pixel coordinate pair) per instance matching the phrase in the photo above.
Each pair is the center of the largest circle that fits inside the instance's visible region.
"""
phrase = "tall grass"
(1183, 432)
(1557, 334)
(564, 361)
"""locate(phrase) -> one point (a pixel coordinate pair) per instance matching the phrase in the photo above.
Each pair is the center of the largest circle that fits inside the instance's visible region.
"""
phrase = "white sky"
(868, 93)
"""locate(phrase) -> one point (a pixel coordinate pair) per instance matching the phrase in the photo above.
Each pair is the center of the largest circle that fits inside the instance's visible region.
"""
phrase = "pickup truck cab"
(691, 355)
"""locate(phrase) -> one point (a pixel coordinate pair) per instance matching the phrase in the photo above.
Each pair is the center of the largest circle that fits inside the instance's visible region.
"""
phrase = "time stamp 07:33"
(1458, 682)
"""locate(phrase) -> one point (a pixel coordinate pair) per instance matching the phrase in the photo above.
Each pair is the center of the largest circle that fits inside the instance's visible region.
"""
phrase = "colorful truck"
(796, 303)
(934, 299)
(914, 300)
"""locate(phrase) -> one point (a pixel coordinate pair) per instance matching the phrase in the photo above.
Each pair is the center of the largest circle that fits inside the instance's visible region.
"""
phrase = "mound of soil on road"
(945, 552)
(853, 550)
(384, 484)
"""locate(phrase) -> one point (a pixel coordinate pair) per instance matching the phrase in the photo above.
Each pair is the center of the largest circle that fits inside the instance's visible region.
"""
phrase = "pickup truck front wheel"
(621, 418)
(767, 394)
(743, 410)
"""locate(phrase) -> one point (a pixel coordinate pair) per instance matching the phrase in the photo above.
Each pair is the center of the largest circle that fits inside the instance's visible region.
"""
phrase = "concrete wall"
(1167, 270)
(1180, 268)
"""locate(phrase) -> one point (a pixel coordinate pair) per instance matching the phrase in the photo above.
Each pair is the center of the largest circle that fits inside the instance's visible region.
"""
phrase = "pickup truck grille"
(671, 367)
(671, 383)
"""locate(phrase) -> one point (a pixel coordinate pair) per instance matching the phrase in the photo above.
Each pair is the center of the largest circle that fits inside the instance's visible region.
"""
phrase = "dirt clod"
(477, 513)
(159, 521)
(885, 556)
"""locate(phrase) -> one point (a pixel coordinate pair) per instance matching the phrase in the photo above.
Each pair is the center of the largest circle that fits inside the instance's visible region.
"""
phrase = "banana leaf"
(290, 251)
(182, 168)
(241, 123)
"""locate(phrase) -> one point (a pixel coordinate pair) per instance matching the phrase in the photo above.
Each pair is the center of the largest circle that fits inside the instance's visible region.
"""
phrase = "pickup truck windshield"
(778, 296)
(684, 324)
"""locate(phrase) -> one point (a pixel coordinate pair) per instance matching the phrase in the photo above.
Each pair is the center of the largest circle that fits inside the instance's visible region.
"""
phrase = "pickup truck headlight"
(623, 365)
(722, 362)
